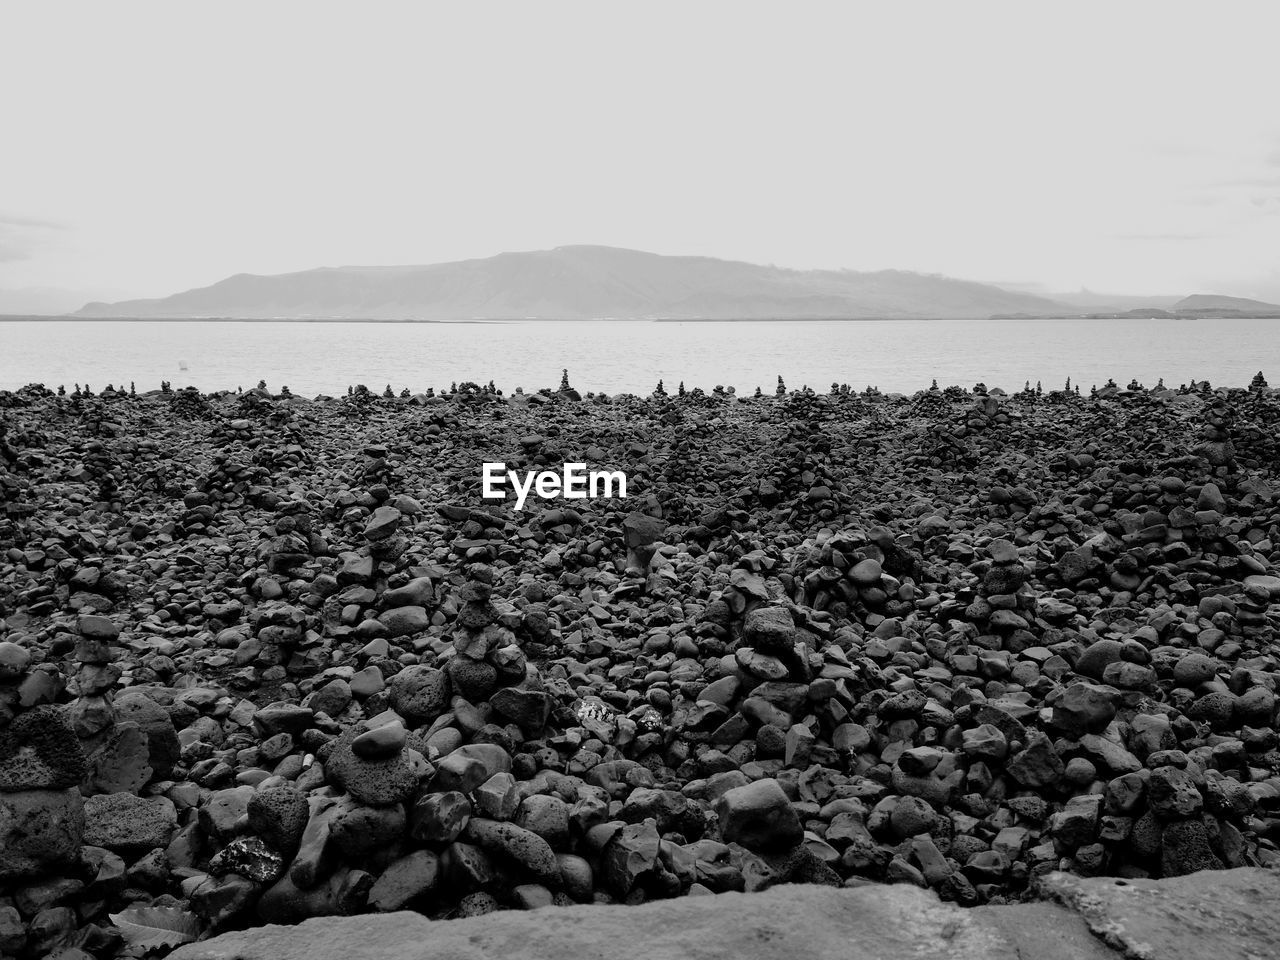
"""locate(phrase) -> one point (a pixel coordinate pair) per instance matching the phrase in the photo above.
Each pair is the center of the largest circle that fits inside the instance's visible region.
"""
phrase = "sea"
(631, 356)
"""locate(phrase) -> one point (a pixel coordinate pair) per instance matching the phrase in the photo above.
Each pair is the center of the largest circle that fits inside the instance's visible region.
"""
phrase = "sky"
(146, 148)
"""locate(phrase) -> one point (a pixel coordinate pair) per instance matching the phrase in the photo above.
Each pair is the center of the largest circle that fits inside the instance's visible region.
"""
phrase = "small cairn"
(488, 662)
(116, 749)
(1217, 447)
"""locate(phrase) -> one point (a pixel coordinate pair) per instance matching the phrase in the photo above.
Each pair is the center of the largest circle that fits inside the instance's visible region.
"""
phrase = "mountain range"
(591, 282)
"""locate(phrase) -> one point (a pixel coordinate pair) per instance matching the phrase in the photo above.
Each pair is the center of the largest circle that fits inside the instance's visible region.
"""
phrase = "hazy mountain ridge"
(585, 282)
(1210, 302)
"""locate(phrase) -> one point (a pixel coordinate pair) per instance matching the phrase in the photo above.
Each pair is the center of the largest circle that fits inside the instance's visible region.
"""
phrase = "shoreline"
(19, 318)
(285, 661)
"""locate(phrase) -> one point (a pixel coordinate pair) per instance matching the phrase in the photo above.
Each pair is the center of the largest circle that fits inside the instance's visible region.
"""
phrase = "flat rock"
(1224, 914)
(124, 822)
(39, 831)
(796, 921)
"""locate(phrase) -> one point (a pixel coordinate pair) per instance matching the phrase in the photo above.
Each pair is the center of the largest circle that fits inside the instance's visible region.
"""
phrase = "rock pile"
(326, 677)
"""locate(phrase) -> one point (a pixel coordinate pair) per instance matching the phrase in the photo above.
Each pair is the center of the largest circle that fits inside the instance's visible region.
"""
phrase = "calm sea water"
(630, 356)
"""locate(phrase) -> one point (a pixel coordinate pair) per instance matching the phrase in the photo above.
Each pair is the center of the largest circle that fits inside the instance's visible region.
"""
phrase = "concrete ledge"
(1222, 914)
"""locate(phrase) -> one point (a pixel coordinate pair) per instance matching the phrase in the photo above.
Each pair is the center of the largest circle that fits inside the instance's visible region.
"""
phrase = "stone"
(770, 630)
(40, 830)
(910, 817)
(163, 749)
(468, 767)
(759, 816)
(383, 741)
(1037, 764)
(249, 857)
(405, 621)
(356, 829)
(1084, 708)
(383, 524)
(439, 818)
(220, 900)
(378, 782)
(547, 816)
(1213, 914)
(39, 751)
(280, 717)
(410, 876)
(529, 709)
(279, 816)
(220, 815)
(129, 824)
(94, 627)
(630, 855)
(860, 923)
(1173, 794)
(521, 847)
(14, 660)
(420, 694)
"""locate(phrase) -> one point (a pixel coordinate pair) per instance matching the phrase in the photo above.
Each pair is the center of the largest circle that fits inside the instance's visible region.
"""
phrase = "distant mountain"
(45, 300)
(1204, 303)
(586, 282)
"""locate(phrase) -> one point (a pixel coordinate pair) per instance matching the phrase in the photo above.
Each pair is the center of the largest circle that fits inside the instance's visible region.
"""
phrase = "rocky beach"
(266, 658)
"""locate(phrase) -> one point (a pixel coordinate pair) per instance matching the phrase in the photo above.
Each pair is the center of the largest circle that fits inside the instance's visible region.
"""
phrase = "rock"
(40, 830)
(910, 817)
(1206, 914)
(279, 816)
(163, 749)
(378, 782)
(1084, 708)
(411, 876)
(405, 621)
(14, 660)
(420, 694)
(631, 855)
(759, 816)
(356, 829)
(1038, 764)
(547, 816)
(220, 900)
(129, 824)
(384, 522)
(1185, 848)
(249, 857)
(383, 741)
(282, 718)
(38, 751)
(468, 767)
(523, 848)
(221, 814)
(770, 630)
(440, 817)
(335, 696)
(528, 709)
(1173, 794)
(93, 627)
(859, 924)
(1194, 669)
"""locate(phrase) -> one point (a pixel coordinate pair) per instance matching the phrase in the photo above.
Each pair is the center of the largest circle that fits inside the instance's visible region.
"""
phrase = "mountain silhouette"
(585, 282)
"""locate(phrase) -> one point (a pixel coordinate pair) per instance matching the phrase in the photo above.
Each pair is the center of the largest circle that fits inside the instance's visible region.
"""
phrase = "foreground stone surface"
(1226, 915)
(799, 922)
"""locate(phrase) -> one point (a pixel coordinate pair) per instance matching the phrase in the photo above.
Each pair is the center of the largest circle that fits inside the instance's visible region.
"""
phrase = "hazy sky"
(1126, 147)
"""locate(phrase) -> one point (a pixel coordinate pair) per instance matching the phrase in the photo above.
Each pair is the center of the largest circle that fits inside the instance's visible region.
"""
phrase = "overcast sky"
(1133, 147)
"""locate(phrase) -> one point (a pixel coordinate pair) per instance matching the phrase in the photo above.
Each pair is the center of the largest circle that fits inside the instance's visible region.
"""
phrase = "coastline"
(950, 639)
